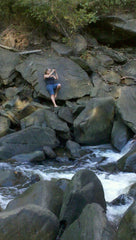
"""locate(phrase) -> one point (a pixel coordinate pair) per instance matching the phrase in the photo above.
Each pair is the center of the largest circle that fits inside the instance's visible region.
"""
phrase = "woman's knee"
(59, 85)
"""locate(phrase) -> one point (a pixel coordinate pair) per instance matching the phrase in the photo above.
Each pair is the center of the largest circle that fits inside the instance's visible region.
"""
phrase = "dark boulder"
(91, 224)
(94, 124)
(29, 222)
(26, 141)
(120, 134)
(84, 188)
(127, 226)
(43, 193)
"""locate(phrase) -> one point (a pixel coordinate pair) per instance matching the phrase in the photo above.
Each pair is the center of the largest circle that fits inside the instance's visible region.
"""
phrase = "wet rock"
(107, 167)
(26, 141)
(91, 224)
(93, 126)
(120, 200)
(120, 134)
(84, 188)
(127, 226)
(10, 178)
(132, 191)
(4, 125)
(29, 222)
(61, 49)
(43, 193)
(34, 178)
(128, 161)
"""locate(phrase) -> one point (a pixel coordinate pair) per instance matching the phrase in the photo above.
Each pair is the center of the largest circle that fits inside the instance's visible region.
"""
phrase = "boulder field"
(96, 105)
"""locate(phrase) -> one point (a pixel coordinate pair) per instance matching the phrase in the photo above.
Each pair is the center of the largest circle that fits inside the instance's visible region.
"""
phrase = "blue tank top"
(49, 80)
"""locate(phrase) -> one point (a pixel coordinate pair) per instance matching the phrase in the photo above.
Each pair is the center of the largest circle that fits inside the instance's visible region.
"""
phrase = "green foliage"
(66, 16)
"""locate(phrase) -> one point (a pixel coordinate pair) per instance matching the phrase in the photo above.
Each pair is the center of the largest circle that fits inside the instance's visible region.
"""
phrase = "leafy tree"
(66, 16)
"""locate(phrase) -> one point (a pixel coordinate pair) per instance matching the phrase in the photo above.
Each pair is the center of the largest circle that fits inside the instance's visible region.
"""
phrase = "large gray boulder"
(132, 191)
(127, 226)
(115, 29)
(91, 224)
(120, 134)
(26, 141)
(8, 61)
(74, 80)
(36, 156)
(126, 106)
(128, 161)
(43, 193)
(94, 124)
(29, 222)
(84, 188)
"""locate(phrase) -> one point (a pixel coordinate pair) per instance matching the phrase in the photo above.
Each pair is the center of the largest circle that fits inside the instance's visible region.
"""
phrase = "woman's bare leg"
(53, 100)
(57, 90)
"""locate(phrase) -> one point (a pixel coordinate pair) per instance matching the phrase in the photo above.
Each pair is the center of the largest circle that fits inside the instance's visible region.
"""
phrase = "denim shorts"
(51, 88)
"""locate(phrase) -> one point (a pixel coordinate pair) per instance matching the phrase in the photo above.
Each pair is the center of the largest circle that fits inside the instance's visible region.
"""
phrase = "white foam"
(116, 184)
(115, 213)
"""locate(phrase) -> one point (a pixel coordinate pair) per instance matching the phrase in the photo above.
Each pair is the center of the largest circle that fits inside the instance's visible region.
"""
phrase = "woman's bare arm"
(56, 75)
(48, 75)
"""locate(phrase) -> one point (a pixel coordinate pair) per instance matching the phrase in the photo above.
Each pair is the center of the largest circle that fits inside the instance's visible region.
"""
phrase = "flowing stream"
(114, 184)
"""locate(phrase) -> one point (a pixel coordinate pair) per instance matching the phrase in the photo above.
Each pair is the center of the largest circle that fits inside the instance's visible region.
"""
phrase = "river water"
(114, 184)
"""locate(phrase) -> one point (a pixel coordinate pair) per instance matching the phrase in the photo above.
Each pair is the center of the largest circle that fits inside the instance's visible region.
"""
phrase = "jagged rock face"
(116, 29)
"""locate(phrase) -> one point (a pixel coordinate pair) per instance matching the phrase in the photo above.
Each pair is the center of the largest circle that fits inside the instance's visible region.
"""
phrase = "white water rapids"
(113, 184)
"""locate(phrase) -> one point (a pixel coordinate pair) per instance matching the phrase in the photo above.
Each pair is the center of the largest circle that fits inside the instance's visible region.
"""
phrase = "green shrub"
(66, 16)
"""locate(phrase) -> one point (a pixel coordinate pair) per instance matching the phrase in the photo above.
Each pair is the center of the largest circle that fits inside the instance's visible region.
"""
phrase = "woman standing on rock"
(51, 86)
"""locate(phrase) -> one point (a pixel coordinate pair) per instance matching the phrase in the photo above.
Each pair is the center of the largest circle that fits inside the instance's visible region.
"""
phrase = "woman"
(51, 86)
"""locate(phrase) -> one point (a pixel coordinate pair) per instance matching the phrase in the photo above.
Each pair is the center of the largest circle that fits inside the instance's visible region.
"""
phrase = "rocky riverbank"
(97, 105)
